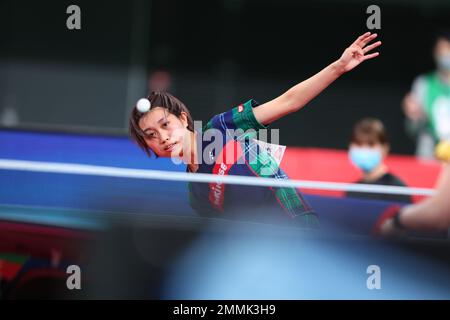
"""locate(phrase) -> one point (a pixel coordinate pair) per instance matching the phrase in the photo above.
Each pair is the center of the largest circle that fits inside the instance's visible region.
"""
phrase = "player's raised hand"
(358, 52)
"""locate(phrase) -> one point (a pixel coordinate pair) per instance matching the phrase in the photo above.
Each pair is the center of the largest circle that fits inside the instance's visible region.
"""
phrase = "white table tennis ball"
(143, 105)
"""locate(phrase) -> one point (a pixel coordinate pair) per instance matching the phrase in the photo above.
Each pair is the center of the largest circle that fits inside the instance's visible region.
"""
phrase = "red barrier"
(334, 166)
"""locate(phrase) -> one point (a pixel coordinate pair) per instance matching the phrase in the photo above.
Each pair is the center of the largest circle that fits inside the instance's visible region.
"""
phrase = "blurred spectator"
(159, 81)
(368, 149)
(427, 105)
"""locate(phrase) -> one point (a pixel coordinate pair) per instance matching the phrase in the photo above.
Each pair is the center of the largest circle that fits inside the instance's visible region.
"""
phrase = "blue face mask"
(443, 62)
(366, 159)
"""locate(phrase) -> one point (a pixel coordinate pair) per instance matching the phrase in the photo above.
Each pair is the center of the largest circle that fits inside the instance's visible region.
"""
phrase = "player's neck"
(376, 173)
(191, 158)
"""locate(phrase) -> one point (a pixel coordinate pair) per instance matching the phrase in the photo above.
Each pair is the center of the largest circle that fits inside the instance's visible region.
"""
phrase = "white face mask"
(443, 62)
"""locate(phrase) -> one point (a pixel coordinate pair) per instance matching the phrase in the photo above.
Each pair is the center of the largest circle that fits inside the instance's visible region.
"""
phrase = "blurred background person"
(369, 146)
(427, 105)
(160, 80)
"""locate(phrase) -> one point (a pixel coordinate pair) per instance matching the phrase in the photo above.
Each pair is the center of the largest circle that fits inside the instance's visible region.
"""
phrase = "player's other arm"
(298, 96)
(434, 212)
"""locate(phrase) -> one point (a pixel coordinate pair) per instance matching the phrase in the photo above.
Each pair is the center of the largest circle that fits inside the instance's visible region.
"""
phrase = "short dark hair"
(157, 99)
(369, 131)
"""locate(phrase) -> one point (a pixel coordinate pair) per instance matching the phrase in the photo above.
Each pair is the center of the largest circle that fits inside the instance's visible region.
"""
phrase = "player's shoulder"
(235, 117)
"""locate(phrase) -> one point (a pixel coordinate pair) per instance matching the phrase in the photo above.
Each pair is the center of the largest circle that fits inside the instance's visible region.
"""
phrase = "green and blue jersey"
(249, 159)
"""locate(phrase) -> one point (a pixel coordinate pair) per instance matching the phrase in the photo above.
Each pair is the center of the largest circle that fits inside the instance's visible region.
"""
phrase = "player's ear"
(183, 118)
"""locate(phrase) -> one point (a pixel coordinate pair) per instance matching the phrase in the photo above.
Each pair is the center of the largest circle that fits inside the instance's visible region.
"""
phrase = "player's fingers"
(366, 40)
(371, 56)
(361, 38)
(372, 46)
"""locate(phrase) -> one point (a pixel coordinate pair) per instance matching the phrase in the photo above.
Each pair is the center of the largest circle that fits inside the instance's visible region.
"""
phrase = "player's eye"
(165, 124)
(150, 134)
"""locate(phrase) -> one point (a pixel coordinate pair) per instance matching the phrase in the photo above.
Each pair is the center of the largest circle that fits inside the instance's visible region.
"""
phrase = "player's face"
(164, 132)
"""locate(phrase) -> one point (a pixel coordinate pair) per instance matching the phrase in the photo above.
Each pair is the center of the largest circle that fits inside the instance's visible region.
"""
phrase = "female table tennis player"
(161, 124)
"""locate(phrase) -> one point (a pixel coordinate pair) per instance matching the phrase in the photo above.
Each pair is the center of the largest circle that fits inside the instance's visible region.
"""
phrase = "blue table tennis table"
(63, 194)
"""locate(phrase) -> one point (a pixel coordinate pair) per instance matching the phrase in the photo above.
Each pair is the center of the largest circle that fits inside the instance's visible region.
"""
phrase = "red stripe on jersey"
(229, 155)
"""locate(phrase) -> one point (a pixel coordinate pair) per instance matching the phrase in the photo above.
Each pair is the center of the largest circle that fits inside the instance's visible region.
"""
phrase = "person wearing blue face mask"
(368, 148)
(427, 105)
